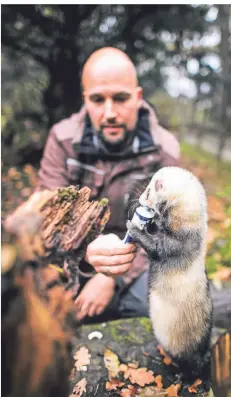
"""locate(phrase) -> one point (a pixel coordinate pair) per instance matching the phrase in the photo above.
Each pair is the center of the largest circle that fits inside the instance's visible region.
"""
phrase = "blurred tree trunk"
(63, 94)
(224, 16)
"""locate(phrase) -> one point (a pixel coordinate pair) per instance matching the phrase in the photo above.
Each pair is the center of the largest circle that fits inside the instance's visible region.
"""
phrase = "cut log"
(133, 342)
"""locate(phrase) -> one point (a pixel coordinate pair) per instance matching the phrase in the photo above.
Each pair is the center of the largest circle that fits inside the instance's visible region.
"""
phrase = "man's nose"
(109, 110)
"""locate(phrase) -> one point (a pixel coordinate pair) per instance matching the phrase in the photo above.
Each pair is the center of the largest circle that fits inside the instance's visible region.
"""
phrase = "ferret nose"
(144, 202)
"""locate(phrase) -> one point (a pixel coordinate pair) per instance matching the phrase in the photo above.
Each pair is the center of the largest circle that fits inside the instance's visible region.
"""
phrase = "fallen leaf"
(167, 360)
(133, 365)
(192, 388)
(129, 391)
(82, 358)
(79, 388)
(216, 209)
(72, 375)
(211, 236)
(141, 376)
(159, 381)
(114, 384)
(123, 368)
(111, 362)
(223, 274)
(152, 391)
(173, 390)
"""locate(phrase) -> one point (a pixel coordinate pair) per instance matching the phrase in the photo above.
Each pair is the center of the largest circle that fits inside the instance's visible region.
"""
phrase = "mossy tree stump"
(133, 341)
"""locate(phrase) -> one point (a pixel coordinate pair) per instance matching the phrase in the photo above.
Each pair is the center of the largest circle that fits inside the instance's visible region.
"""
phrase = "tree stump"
(133, 342)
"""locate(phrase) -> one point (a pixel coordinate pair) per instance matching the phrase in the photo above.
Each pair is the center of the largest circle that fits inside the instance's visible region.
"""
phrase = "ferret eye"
(162, 207)
(148, 194)
(159, 185)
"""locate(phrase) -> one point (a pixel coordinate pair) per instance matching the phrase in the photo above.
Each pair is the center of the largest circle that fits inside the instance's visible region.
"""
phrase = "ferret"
(180, 303)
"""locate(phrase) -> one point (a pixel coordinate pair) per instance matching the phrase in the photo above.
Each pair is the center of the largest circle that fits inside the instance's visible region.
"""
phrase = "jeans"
(131, 303)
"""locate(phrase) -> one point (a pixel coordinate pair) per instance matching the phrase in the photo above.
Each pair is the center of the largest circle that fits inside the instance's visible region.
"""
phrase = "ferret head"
(177, 195)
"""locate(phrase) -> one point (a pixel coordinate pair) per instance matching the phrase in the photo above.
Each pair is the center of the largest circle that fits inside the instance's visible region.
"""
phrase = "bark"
(54, 227)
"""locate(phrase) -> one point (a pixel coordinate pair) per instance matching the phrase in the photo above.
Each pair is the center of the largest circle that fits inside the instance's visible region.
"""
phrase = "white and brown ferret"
(179, 297)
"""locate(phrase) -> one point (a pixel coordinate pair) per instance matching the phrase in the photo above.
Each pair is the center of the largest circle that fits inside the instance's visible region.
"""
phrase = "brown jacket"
(119, 180)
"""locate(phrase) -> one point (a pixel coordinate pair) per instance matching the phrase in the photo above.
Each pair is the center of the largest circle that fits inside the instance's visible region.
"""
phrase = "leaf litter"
(82, 358)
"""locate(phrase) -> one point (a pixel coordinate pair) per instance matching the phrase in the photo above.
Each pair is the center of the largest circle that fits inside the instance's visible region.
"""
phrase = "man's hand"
(109, 255)
(95, 296)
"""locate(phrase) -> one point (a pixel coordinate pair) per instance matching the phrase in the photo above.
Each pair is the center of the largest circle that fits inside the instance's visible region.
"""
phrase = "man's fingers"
(115, 260)
(107, 251)
(99, 310)
(82, 309)
(92, 310)
(114, 270)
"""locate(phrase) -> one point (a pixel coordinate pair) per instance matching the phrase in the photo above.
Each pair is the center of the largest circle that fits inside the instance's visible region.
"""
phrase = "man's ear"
(140, 96)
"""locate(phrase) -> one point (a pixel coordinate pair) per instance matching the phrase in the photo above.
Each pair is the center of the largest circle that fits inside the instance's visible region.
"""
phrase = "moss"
(133, 330)
(67, 193)
(103, 202)
(146, 323)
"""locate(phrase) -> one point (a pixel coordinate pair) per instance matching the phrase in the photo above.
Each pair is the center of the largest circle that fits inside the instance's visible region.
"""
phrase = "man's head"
(111, 94)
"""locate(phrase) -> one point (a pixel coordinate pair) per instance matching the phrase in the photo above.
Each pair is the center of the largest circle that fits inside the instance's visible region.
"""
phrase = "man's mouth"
(112, 129)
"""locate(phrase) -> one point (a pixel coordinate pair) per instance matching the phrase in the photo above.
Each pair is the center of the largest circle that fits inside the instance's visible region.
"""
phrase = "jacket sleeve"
(52, 173)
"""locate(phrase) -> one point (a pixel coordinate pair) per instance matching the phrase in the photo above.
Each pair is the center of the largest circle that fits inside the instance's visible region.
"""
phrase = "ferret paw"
(134, 231)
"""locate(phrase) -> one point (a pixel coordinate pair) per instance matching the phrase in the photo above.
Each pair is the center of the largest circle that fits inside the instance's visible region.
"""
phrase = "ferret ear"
(159, 185)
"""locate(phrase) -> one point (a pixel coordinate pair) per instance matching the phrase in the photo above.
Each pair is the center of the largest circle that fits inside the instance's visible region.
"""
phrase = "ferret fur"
(179, 297)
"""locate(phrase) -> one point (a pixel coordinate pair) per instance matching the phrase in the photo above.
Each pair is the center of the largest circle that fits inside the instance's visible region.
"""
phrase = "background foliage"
(44, 48)
(181, 50)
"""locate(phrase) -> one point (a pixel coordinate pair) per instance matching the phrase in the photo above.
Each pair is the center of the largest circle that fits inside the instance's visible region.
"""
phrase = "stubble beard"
(116, 145)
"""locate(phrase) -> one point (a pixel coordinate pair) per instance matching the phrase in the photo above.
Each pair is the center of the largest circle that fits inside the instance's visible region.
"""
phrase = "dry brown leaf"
(141, 376)
(167, 360)
(129, 391)
(173, 390)
(72, 375)
(82, 358)
(114, 384)
(111, 362)
(223, 274)
(79, 388)
(216, 209)
(192, 388)
(133, 365)
(151, 391)
(159, 381)
(211, 236)
(123, 368)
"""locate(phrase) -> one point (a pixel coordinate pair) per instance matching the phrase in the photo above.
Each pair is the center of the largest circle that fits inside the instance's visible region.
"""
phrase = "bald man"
(113, 146)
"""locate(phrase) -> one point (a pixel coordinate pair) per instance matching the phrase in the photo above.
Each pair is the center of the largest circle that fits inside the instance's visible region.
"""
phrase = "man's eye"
(120, 99)
(97, 99)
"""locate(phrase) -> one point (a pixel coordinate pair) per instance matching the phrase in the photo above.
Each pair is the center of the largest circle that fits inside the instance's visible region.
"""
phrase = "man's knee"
(135, 302)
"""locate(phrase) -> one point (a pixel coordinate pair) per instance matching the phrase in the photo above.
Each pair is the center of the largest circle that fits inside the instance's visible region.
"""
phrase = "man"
(113, 145)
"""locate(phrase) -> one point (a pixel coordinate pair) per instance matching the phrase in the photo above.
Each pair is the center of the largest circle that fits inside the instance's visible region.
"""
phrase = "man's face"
(113, 108)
